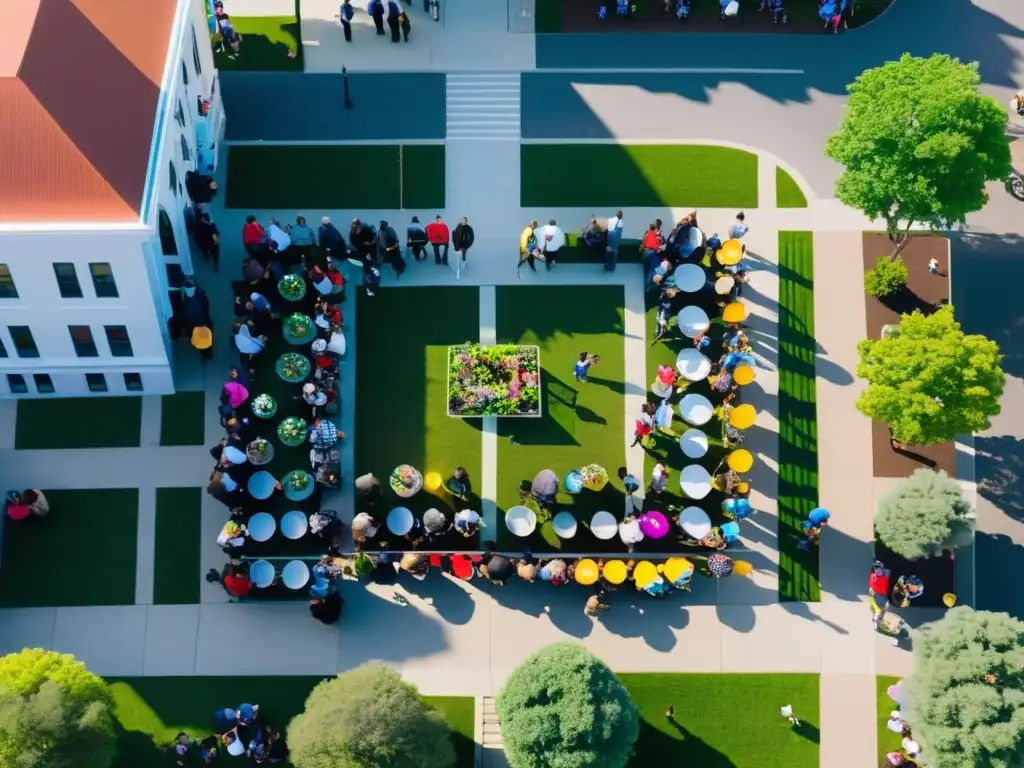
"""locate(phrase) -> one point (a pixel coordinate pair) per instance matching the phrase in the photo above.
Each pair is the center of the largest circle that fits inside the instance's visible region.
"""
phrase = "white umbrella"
(695, 409)
(689, 278)
(695, 481)
(692, 365)
(692, 321)
(693, 443)
(603, 525)
(564, 524)
(695, 522)
(521, 521)
(629, 531)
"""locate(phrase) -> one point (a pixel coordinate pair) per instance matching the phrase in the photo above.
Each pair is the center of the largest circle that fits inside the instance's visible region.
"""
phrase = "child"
(582, 366)
(403, 22)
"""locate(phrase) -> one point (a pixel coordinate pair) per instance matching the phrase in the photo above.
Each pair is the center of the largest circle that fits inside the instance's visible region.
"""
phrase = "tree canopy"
(563, 708)
(965, 698)
(369, 718)
(924, 515)
(54, 713)
(917, 142)
(930, 381)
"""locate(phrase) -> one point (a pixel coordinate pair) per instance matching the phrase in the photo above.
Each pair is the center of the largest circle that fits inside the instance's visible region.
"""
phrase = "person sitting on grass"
(458, 484)
(582, 367)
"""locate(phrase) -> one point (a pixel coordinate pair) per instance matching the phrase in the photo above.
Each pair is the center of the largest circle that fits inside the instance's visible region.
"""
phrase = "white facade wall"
(143, 269)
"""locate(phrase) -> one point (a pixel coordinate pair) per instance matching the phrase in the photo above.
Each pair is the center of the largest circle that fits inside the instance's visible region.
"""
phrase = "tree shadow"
(655, 746)
(999, 467)
(999, 561)
(444, 594)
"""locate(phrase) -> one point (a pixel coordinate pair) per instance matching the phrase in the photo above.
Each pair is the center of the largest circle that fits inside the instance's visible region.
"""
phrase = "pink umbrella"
(896, 692)
(654, 525)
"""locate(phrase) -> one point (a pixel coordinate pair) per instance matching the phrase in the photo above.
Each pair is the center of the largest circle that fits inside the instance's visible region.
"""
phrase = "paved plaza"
(777, 97)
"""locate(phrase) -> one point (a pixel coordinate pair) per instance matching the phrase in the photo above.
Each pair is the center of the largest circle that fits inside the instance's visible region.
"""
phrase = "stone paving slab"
(848, 715)
(171, 640)
(26, 628)
(111, 640)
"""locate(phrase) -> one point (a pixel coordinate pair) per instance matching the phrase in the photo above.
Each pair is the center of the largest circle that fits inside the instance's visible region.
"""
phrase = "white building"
(104, 108)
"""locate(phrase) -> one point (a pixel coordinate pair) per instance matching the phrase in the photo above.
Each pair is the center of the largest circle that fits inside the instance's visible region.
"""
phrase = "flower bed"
(502, 380)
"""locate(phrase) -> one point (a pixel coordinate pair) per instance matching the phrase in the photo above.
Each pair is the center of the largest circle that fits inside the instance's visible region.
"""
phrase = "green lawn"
(580, 423)
(93, 422)
(620, 175)
(887, 740)
(787, 192)
(151, 711)
(725, 721)
(178, 538)
(390, 177)
(798, 427)
(183, 419)
(266, 42)
(82, 553)
(402, 386)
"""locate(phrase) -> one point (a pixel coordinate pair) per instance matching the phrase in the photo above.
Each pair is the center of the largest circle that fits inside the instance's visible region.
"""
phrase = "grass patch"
(150, 711)
(621, 175)
(402, 416)
(386, 174)
(711, 727)
(576, 252)
(87, 575)
(183, 419)
(887, 740)
(798, 426)
(547, 16)
(580, 423)
(178, 537)
(266, 42)
(95, 422)
(787, 192)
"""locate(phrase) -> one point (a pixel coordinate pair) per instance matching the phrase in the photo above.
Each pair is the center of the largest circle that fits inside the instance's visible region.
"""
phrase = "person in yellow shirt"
(528, 245)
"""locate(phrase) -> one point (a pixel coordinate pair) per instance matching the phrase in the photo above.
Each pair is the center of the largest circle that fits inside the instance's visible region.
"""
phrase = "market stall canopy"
(740, 460)
(743, 374)
(614, 572)
(644, 574)
(692, 365)
(521, 521)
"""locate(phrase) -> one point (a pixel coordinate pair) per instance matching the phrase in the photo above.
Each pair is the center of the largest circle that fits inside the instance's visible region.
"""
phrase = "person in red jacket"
(252, 235)
(438, 235)
(236, 580)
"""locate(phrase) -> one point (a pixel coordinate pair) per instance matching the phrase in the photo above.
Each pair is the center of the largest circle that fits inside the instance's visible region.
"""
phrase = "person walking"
(439, 235)
(614, 228)
(644, 425)
(462, 238)
(331, 240)
(208, 240)
(528, 245)
(416, 239)
(345, 17)
(377, 12)
(739, 227)
(393, 13)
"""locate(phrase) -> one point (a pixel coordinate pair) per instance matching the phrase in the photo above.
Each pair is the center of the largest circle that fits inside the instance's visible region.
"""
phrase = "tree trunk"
(899, 240)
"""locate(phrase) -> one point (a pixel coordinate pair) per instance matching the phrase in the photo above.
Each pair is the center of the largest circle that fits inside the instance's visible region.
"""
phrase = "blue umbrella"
(574, 482)
(818, 516)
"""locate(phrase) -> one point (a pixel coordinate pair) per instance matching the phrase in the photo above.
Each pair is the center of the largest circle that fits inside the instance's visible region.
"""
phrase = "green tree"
(965, 696)
(369, 718)
(930, 381)
(917, 143)
(924, 515)
(563, 708)
(886, 278)
(54, 713)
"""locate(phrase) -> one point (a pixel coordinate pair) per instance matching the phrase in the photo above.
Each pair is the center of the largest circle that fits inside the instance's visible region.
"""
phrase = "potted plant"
(293, 367)
(292, 287)
(264, 406)
(297, 485)
(292, 431)
(298, 328)
(260, 451)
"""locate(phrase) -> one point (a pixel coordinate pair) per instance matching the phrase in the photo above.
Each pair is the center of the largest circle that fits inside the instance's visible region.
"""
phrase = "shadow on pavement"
(999, 468)
(1000, 564)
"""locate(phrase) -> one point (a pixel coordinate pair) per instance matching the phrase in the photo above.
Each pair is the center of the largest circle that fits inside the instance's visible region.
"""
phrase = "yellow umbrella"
(742, 568)
(735, 312)
(586, 572)
(730, 254)
(740, 460)
(742, 416)
(677, 567)
(949, 599)
(644, 574)
(431, 482)
(743, 375)
(614, 572)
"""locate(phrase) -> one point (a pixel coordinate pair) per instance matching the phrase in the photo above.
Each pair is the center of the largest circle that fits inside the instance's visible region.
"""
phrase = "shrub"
(888, 277)
(926, 514)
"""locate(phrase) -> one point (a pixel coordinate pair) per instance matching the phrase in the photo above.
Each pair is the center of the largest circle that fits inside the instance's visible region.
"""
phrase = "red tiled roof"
(79, 88)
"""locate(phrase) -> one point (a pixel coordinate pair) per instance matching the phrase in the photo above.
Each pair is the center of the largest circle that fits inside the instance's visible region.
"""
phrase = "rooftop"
(79, 87)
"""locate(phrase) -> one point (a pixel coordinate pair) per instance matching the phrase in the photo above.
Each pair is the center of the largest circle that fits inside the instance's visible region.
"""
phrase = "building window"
(117, 338)
(8, 290)
(67, 280)
(167, 244)
(175, 277)
(17, 384)
(195, 54)
(179, 116)
(24, 344)
(174, 179)
(44, 384)
(133, 382)
(96, 382)
(81, 338)
(3, 349)
(184, 73)
(103, 280)
(186, 153)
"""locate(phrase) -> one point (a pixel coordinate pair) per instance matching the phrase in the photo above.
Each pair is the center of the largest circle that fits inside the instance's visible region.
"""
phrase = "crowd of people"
(236, 732)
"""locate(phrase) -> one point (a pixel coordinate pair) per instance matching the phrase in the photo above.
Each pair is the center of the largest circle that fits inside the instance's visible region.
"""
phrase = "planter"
(260, 452)
(293, 367)
(298, 485)
(292, 431)
(299, 329)
(292, 287)
(264, 407)
(501, 380)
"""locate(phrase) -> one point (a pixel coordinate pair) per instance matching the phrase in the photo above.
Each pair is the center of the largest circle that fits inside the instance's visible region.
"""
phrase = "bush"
(54, 713)
(368, 718)
(564, 708)
(888, 277)
(965, 696)
(926, 514)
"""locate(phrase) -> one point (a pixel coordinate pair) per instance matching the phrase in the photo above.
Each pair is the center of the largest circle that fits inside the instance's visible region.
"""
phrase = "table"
(692, 365)
(294, 524)
(692, 321)
(724, 285)
(261, 574)
(521, 521)
(695, 481)
(689, 278)
(261, 526)
(261, 485)
(564, 525)
(603, 525)
(400, 521)
(695, 409)
(693, 443)
(295, 575)
(695, 522)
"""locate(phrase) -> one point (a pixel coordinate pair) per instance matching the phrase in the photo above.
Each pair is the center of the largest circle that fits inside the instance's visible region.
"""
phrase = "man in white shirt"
(551, 239)
(611, 257)
(739, 227)
(659, 478)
